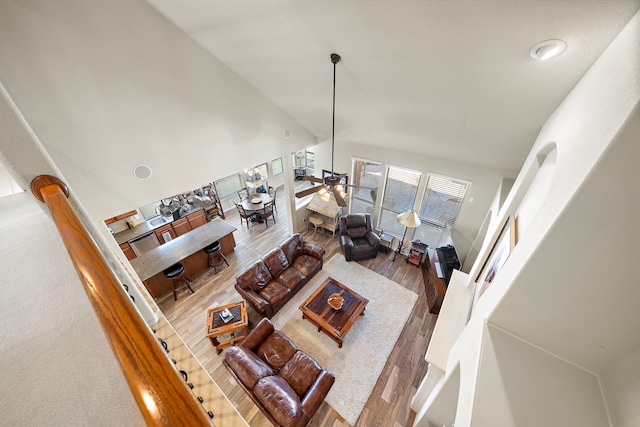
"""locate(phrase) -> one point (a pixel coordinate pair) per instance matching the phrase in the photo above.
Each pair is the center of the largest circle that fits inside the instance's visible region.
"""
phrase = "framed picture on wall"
(500, 251)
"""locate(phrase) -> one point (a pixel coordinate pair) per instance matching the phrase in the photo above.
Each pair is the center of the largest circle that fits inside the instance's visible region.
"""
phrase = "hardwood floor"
(389, 402)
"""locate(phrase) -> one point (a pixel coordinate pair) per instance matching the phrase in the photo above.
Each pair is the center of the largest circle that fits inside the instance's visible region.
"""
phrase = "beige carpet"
(367, 345)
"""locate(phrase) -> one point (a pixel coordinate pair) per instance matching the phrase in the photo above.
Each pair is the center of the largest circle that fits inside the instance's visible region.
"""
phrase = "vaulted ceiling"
(450, 79)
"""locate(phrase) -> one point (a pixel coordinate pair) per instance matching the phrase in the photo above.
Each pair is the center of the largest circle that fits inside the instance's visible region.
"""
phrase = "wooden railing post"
(162, 395)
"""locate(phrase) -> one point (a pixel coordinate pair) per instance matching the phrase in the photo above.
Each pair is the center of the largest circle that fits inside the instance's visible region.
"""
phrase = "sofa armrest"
(313, 250)
(373, 239)
(318, 391)
(346, 243)
(260, 304)
(263, 329)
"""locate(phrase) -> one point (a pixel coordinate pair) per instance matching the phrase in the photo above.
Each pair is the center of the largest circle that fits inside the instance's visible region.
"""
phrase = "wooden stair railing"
(158, 388)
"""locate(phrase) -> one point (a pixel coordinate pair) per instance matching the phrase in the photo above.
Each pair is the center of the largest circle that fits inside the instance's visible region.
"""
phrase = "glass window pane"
(277, 167)
(399, 196)
(262, 170)
(366, 178)
(229, 185)
(400, 190)
(442, 201)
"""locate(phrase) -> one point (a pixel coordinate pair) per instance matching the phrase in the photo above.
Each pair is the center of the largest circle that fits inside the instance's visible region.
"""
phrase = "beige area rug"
(367, 345)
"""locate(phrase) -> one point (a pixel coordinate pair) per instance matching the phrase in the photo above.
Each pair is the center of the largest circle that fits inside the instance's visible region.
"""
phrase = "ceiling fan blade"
(308, 191)
(313, 179)
(339, 199)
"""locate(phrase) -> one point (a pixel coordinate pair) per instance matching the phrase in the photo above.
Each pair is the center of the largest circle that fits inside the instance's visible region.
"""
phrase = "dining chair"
(268, 212)
(272, 193)
(243, 193)
(247, 215)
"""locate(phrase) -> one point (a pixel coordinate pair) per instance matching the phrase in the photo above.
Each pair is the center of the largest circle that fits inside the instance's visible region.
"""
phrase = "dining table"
(255, 202)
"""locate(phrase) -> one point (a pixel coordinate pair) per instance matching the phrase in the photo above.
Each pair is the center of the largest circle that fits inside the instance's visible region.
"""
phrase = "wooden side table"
(216, 326)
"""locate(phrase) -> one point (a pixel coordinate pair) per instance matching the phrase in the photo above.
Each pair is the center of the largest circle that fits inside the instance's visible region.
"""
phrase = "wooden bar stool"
(215, 256)
(175, 273)
(316, 221)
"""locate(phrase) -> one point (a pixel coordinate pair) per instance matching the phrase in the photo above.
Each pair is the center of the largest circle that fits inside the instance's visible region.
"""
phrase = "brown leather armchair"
(286, 384)
(357, 239)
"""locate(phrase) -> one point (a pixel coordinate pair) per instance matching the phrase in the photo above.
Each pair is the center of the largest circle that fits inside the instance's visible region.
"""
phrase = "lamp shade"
(409, 219)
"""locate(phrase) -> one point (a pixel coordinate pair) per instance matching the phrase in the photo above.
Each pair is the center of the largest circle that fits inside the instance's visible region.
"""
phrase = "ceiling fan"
(331, 182)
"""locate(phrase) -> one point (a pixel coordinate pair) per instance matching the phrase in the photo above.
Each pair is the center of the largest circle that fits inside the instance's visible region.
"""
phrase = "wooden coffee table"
(216, 326)
(335, 323)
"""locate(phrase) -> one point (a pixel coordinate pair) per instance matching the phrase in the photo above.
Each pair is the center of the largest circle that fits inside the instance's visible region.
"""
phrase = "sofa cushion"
(307, 265)
(300, 372)
(255, 277)
(276, 350)
(274, 292)
(276, 262)
(292, 247)
(248, 367)
(291, 277)
(280, 400)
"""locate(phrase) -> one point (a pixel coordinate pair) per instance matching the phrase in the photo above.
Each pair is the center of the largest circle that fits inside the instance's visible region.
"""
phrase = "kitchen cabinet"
(119, 217)
(128, 252)
(181, 226)
(196, 219)
(164, 229)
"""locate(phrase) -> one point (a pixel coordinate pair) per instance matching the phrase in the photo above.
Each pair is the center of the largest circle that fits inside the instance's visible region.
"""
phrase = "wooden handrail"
(162, 395)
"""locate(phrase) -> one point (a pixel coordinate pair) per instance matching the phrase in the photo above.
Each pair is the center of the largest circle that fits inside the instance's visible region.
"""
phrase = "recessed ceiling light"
(548, 49)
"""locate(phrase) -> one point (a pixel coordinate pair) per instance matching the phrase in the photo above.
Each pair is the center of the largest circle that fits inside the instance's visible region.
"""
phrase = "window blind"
(229, 185)
(400, 190)
(442, 201)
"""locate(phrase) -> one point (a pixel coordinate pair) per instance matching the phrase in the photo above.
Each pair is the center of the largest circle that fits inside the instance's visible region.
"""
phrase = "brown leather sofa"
(357, 239)
(285, 383)
(270, 282)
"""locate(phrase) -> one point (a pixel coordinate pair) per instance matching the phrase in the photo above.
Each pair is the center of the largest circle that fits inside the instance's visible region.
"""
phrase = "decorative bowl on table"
(256, 200)
(335, 301)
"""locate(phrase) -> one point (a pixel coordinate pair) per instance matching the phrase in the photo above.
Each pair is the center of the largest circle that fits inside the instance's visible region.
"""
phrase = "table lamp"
(408, 219)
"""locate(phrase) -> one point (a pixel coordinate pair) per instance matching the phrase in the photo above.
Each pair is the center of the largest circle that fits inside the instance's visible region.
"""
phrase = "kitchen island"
(186, 249)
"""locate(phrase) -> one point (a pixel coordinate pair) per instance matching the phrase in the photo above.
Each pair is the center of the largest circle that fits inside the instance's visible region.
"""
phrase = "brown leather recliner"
(286, 384)
(357, 239)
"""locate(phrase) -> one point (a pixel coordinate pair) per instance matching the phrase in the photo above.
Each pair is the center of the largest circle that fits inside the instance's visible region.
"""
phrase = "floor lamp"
(408, 219)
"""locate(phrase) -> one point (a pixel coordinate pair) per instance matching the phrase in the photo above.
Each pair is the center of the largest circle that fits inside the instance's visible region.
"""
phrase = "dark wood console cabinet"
(435, 286)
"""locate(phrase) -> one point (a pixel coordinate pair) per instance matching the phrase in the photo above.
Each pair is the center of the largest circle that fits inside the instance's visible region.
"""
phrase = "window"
(276, 167)
(442, 201)
(303, 159)
(366, 178)
(229, 185)
(310, 159)
(400, 192)
(262, 170)
(439, 210)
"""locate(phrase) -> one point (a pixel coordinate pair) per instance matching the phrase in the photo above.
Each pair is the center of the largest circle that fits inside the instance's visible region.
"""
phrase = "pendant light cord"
(333, 118)
(335, 58)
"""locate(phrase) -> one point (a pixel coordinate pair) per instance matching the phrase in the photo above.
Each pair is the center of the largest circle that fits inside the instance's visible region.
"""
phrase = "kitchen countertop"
(164, 256)
(143, 228)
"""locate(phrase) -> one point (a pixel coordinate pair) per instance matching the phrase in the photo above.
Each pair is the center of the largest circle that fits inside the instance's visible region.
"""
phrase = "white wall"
(569, 288)
(57, 366)
(109, 85)
(485, 181)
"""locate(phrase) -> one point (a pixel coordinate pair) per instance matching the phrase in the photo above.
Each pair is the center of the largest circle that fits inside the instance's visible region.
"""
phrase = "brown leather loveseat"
(270, 282)
(286, 383)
